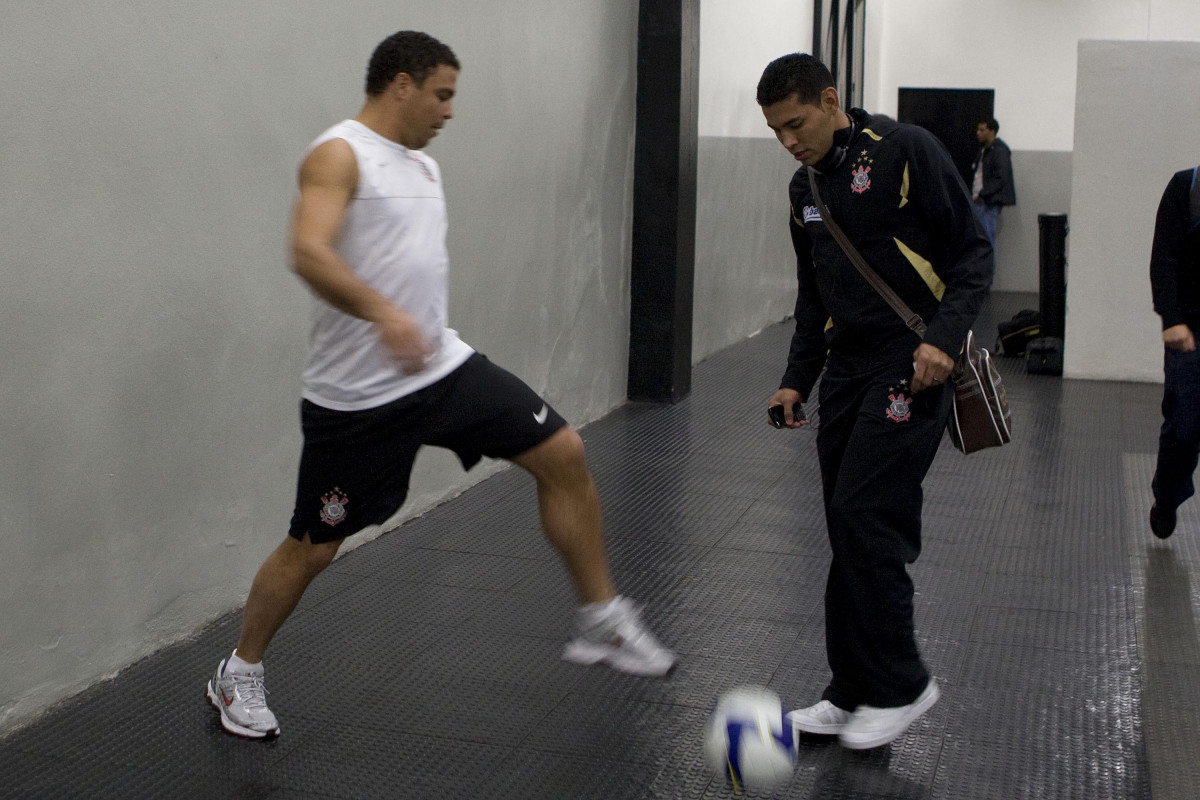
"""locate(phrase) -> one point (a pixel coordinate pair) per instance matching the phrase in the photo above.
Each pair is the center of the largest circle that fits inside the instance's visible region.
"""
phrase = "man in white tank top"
(387, 376)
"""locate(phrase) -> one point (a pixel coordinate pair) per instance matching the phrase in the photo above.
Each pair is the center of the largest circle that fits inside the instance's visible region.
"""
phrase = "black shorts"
(355, 466)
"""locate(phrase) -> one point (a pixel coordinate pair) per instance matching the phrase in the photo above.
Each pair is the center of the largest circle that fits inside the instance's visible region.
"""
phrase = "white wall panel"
(1126, 149)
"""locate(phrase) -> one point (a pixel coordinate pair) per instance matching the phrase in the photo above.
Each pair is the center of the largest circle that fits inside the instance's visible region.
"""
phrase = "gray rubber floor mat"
(426, 663)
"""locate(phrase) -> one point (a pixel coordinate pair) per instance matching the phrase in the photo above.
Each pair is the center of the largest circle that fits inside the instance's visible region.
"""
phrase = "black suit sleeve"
(964, 260)
(1170, 229)
(806, 357)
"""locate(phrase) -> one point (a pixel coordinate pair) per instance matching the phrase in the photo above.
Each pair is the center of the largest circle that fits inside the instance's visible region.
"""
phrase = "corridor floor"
(425, 664)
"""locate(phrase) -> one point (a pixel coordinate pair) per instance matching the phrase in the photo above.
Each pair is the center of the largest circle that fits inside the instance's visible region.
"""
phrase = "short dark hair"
(412, 52)
(991, 124)
(795, 74)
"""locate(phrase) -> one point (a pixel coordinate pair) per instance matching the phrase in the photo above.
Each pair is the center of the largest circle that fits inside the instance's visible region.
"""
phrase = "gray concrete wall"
(1043, 180)
(745, 265)
(153, 336)
(745, 269)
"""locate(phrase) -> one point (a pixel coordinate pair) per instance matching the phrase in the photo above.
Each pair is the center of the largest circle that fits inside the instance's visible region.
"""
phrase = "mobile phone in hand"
(776, 418)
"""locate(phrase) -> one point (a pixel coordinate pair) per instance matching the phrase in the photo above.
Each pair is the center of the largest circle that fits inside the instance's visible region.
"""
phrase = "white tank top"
(394, 237)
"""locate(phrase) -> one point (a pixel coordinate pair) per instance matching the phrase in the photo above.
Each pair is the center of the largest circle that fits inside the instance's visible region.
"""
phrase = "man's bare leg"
(609, 628)
(277, 588)
(570, 511)
(236, 690)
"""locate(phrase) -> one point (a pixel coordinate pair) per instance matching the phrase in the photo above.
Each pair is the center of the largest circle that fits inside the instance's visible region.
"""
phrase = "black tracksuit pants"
(876, 442)
(1179, 439)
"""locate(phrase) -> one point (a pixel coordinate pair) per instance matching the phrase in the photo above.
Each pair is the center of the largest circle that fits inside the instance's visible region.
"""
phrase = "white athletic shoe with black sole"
(242, 703)
(620, 640)
(874, 727)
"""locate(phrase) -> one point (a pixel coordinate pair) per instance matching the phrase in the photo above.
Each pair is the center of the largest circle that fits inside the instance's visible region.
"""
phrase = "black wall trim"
(664, 200)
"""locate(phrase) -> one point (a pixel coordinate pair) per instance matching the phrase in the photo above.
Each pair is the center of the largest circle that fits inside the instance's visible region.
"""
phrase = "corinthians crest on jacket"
(860, 176)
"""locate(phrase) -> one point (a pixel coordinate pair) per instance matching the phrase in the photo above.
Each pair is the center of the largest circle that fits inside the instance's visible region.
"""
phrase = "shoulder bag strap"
(911, 318)
(1193, 198)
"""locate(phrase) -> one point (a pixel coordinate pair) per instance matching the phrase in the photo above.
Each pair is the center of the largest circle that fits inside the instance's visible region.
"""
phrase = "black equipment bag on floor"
(1044, 356)
(1014, 336)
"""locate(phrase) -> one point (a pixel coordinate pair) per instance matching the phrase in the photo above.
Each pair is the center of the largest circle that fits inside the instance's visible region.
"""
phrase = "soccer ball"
(749, 739)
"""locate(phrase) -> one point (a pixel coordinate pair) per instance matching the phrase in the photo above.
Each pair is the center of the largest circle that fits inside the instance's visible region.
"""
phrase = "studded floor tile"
(426, 662)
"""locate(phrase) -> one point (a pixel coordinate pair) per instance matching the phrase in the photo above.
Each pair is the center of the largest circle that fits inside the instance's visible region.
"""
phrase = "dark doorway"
(950, 115)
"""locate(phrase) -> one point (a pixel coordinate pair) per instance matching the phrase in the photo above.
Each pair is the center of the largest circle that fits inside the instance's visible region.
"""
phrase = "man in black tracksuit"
(884, 398)
(1175, 283)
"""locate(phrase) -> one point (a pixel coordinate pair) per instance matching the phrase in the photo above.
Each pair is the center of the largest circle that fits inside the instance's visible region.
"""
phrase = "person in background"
(1175, 286)
(992, 186)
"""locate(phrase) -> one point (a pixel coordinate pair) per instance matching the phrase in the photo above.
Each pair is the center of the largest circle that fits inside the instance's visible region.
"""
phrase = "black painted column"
(664, 200)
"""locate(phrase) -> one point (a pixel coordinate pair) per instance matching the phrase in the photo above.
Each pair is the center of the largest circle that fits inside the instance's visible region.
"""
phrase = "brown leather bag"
(981, 417)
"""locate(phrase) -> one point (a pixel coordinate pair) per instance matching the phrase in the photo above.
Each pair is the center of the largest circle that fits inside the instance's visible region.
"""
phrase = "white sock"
(237, 666)
(594, 613)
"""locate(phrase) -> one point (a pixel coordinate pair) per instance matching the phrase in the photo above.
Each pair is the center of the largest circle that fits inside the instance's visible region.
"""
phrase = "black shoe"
(1162, 521)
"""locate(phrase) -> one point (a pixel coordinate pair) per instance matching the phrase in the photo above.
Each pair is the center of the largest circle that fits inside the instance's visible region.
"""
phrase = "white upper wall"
(1024, 49)
(737, 40)
(1011, 46)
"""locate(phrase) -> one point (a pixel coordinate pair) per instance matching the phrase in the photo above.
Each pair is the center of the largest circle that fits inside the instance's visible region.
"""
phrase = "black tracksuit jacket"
(900, 200)
(1175, 256)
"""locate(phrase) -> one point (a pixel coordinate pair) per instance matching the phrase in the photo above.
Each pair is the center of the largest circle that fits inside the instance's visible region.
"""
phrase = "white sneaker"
(242, 701)
(823, 718)
(875, 727)
(620, 640)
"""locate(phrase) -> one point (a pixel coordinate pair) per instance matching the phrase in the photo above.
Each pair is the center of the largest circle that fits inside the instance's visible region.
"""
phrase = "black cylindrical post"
(1052, 270)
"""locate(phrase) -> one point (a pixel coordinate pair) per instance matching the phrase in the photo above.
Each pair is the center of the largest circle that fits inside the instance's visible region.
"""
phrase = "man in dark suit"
(1175, 284)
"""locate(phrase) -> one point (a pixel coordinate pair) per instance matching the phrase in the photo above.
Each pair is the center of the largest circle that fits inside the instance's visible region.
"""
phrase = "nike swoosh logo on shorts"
(540, 416)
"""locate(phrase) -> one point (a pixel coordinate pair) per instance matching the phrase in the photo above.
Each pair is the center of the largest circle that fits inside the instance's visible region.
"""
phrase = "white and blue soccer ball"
(749, 739)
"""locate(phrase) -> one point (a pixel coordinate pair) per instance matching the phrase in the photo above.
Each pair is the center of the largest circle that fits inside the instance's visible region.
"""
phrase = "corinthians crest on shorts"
(334, 510)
